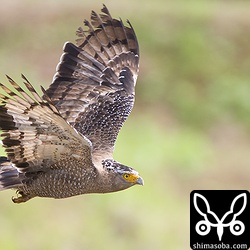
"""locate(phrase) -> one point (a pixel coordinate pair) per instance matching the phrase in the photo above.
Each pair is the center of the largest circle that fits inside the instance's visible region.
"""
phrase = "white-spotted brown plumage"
(61, 144)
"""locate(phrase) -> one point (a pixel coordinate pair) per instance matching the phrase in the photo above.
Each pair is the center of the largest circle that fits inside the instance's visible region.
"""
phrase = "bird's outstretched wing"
(35, 135)
(93, 88)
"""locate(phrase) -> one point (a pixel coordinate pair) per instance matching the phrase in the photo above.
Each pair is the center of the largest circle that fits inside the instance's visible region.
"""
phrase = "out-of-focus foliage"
(189, 128)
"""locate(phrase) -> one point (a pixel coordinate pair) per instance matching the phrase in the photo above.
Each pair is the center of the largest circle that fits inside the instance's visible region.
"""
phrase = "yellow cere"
(130, 177)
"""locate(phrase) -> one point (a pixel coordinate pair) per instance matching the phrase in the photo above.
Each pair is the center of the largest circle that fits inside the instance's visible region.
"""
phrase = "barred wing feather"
(93, 88)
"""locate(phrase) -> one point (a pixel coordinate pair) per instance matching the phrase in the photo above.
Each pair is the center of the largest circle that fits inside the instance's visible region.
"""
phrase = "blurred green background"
(190, 127)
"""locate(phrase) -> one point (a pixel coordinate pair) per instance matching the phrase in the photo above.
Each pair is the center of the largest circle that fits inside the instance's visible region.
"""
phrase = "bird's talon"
(22, 198)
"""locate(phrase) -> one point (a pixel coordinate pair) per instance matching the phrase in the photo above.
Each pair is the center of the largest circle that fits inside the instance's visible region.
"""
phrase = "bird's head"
(123, 176)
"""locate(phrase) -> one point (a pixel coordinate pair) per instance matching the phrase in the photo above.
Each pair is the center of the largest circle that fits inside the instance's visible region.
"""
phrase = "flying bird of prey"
(61, 144)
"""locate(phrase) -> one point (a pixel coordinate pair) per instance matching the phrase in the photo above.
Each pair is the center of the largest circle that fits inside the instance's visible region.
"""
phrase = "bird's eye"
(126, 176)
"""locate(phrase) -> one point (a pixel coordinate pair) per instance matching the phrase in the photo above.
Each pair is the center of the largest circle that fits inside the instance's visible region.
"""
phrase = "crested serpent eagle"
(61, 144)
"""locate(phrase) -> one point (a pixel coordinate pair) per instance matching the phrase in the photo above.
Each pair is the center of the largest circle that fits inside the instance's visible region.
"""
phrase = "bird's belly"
(59, 184)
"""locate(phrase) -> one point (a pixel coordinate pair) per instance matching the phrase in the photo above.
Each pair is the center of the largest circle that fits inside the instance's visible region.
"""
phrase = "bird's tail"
(9, 176)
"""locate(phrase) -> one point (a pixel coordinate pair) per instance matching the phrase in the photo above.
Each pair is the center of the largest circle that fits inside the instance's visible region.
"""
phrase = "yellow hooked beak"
(140, 181)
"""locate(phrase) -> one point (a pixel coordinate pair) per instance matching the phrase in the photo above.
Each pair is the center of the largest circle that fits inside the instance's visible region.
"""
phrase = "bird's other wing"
(34, 134)
(94, 85)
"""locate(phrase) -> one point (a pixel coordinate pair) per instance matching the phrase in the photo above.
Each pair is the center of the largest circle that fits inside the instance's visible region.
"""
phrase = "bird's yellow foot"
(22, 198)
